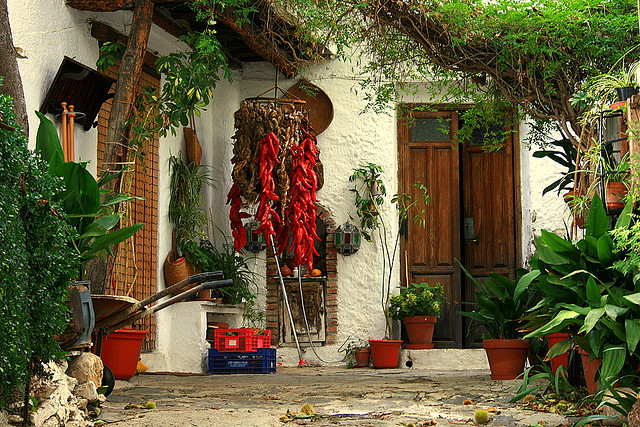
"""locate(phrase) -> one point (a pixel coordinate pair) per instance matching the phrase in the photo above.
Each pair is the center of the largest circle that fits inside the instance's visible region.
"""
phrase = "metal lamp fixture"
(255, 239)
(347, 239)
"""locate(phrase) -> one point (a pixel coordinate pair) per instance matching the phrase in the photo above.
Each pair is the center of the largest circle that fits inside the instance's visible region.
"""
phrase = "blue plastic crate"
(262, 361)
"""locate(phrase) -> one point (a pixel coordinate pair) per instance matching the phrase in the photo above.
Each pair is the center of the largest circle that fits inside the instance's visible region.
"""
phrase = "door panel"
(435, 164)
(488, 198)
(465, 185)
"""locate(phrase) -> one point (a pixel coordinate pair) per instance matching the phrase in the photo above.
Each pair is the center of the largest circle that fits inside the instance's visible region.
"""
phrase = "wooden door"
(489, 226)
(466, 220)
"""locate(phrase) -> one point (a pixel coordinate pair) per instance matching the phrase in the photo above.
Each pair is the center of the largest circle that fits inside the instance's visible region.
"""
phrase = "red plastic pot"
(562, 359)
(120, 351)
(420, 331)
(506, 357)
(385, 353)
(590, 369)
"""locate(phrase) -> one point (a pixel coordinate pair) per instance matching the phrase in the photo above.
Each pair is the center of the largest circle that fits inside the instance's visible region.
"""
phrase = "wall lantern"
(347, 239)
(255, 238)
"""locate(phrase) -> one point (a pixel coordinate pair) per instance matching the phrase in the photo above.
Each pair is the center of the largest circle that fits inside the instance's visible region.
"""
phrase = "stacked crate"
(242, 351)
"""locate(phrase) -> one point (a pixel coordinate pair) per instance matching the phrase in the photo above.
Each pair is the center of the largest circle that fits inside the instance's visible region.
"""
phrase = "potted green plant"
(187, 216)
(622, 82)
(501, 305)
(615, 176)
(235, 267)
(588, 289)
(367, 178)
(418, 307)
(357, 354)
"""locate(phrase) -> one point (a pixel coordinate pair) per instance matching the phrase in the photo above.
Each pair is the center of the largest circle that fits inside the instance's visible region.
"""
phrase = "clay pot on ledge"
(420, 331)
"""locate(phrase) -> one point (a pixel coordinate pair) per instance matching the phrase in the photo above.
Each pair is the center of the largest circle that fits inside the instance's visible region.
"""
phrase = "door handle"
(476, 241)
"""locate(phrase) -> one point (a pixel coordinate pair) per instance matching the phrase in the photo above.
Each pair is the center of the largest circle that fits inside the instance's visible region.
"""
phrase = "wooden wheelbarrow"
(113, 312)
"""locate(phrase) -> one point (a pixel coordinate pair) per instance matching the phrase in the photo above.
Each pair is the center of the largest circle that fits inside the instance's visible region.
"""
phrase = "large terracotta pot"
(506, 357)
(562, 359)
(590, 368)
(420, 331)
(385, 353)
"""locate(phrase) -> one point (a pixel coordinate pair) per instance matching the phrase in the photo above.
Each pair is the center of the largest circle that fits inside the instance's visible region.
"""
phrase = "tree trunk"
(128, 78)
(117, 140)
(12, 83)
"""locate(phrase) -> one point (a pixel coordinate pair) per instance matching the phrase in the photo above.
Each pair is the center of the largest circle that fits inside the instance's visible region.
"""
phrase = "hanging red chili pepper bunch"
(264, 173)
(301, 211)
(235, 215)
(266, 214)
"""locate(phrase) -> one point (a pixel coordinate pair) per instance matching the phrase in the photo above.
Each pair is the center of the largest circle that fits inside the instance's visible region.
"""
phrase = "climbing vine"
(533, 55)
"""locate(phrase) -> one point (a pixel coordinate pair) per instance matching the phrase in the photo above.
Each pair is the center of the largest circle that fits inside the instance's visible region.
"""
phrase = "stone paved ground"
(341, 397)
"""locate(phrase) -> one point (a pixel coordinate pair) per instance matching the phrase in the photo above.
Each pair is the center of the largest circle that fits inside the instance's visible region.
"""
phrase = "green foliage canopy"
(533, 55)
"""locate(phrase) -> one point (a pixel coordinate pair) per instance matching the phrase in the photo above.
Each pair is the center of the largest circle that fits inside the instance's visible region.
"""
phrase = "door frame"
(405, 110)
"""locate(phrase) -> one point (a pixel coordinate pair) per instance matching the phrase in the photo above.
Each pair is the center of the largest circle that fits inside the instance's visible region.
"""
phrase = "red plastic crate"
(241, 340)
(264, 338)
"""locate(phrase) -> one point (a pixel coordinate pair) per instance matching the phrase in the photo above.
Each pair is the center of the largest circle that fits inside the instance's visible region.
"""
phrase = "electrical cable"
(286, 300)
(306, 324)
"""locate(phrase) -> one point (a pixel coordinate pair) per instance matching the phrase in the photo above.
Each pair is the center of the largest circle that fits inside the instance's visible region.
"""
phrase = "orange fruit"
(316, 272)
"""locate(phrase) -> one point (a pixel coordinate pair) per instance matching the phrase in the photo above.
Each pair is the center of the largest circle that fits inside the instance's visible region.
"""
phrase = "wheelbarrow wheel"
(108, 380)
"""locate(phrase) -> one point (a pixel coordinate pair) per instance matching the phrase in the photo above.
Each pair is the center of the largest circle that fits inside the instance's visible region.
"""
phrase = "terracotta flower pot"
(420, 331)
(615, 192)
(385, 353)
(506, 357)
(562, 359)
(362, 357)
(590, 368)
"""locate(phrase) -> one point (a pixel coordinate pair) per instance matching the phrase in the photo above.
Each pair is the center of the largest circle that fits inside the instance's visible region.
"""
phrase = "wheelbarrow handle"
(201, 287)
(171, 290)
(176, 298)
(140, 306)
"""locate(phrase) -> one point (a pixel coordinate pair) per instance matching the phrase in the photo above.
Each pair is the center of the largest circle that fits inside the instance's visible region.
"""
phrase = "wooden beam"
(271, 54)
(101, 5)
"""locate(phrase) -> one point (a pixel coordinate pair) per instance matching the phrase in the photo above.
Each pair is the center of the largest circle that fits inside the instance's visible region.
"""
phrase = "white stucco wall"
(47, 30)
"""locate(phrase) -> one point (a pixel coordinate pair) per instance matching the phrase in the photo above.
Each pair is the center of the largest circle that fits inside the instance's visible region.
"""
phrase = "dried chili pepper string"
(301, 210)
(266, 214)
(235, 216)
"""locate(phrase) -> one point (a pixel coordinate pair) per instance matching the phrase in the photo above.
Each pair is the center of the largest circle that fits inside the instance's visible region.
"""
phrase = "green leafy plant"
(501, 304)
(418, 299)
(190, 77)
(370, 192)
(564, 154)
(81, 198)
(406, 43)
(185, 203)
(350, 351)
(583, 293)
(234, 267)
(369, 177)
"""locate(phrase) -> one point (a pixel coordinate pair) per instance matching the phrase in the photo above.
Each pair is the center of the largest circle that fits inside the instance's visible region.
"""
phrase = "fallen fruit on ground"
(481, 416)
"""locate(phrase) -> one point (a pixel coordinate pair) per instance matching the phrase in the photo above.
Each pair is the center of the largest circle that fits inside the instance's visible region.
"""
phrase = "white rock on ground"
(86, 367)
(57, 405)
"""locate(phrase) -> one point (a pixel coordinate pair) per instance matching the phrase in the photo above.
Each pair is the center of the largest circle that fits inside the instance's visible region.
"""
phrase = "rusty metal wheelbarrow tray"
(114, 312)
